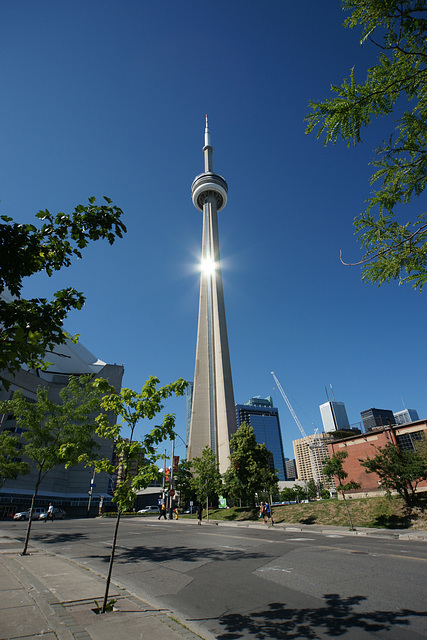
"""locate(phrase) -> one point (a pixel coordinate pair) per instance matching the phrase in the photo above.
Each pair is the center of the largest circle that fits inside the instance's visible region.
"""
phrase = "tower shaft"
(213, 418)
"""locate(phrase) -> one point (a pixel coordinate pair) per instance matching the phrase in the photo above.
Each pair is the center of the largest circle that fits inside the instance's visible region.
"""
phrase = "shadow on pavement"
(185, 554)
(334, 619)
(49, 538)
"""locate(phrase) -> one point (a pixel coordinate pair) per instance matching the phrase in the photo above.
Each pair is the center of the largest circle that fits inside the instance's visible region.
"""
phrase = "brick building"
(365, 444)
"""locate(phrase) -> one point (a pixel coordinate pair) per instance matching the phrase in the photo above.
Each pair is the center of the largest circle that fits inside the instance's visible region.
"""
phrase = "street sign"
(172, 493)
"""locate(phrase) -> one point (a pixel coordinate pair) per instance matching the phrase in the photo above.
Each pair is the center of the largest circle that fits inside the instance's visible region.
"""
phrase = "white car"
(151, 509)
(25, 515)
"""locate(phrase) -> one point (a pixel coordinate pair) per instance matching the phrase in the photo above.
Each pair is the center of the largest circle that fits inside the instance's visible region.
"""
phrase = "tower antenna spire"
(207, 134)
(208, 149)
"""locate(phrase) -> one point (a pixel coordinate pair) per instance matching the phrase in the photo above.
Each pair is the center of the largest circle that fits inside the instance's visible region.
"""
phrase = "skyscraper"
(334, 416)
(377, 418)
(304, 461)
(406, 416)
(260, 414)
(213, 418)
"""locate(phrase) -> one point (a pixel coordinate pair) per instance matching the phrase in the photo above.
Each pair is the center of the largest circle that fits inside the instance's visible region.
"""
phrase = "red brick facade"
(364, 445)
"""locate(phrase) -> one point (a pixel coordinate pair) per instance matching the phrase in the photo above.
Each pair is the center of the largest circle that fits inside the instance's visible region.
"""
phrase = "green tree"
(396, 83)
(333, 469)
(55, 433)
(249, 472)
(300, 492)
(31, 328)
(207, 480)
(311, 489)
(11, 464)
(288, 495)
(135, 459)
(421, 448)
(183, 481)
(398, 469)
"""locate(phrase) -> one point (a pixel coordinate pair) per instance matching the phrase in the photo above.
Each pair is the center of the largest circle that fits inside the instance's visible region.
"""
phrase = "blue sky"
(108, 98)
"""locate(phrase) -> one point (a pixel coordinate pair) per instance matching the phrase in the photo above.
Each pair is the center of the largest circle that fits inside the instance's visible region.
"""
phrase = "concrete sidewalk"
(47, 595)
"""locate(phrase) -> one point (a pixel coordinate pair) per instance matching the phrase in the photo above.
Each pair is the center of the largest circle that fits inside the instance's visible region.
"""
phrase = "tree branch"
(382, 251)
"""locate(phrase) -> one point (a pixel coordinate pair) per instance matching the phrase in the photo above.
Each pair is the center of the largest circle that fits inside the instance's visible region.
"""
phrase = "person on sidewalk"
(268, 513)
(162, 513)
(49, 513)
(199, 512)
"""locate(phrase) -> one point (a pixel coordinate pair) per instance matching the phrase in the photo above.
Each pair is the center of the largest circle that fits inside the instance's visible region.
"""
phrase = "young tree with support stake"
(333, 468)
(55, 432)
(135, 458)
(183, 481)
(207, 480)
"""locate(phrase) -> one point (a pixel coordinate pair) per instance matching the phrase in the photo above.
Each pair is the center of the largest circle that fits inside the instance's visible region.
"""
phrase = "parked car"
(57, 513)
(192, 509)
(151, 509)
(25, 515)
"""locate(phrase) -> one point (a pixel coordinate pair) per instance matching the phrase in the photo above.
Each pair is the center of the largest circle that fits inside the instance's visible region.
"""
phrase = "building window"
(407, 441)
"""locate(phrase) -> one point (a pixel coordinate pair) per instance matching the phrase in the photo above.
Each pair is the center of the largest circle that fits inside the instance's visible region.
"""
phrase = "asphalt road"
(256, 582)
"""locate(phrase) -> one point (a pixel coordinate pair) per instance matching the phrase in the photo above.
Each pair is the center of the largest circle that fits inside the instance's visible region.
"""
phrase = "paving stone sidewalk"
(45, 595)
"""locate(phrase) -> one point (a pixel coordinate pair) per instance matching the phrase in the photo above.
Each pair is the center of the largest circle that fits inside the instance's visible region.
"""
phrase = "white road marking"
(298, 539)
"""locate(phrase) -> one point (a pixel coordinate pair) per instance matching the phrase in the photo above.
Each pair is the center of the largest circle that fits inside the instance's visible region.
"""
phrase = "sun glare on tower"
(208, 266)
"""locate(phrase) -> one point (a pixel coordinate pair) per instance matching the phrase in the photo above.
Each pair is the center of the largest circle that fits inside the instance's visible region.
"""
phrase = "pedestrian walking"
(262, 512)
(162, 513)
(199, 512)
(49, 515)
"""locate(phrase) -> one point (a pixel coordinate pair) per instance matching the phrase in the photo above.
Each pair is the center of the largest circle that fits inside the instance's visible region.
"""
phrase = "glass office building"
(260, 414)
(377, 418)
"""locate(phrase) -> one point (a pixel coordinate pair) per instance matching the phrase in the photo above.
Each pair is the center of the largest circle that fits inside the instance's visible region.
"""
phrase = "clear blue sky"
(109, 98)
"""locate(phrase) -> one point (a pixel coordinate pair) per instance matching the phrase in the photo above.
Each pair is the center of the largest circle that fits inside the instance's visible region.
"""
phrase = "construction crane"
(312, 444)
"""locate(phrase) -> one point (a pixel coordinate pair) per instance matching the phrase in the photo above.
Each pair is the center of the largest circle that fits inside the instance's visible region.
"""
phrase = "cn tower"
(213, 418)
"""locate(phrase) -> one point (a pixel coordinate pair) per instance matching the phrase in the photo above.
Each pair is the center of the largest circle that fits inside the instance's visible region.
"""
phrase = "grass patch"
(382, 513)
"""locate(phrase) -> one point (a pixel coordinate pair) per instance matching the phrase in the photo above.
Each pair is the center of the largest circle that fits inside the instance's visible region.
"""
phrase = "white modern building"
(406, 416)
(334, 416)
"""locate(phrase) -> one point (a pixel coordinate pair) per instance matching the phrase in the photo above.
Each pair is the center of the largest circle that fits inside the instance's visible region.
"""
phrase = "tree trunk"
(110, 568)
(30, 519)
(406, 496)
(348, 512)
